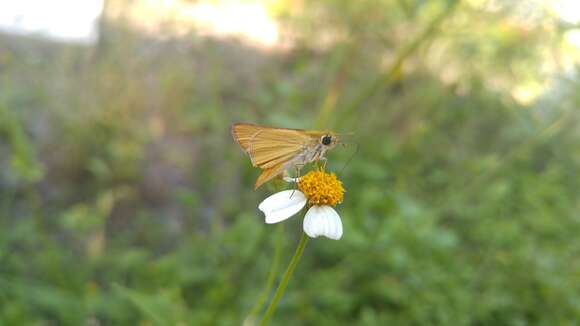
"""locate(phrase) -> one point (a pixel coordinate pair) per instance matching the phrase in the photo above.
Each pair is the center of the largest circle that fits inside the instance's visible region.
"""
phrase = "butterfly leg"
(324, 160)
(297, 167)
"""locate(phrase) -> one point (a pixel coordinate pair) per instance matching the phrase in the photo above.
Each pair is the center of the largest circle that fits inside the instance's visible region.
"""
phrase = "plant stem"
(394, 71)
(284, 282)
(270, 280)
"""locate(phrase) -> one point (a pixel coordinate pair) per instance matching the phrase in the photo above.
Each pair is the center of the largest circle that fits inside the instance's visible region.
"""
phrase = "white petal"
(282, 205)
(291, 180)
(323, 220)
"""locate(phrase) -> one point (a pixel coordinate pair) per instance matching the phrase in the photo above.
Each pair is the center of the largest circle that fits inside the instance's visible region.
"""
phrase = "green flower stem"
(271, 278)
(284, 282)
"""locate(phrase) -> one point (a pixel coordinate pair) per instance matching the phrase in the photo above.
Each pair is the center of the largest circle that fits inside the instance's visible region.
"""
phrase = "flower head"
(321, 188)
(321, 191)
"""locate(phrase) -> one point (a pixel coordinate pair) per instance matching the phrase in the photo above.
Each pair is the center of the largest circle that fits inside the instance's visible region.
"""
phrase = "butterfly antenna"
(351, 157)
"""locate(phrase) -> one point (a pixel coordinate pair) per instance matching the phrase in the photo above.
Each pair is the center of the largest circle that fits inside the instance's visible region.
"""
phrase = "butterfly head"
(328, 140)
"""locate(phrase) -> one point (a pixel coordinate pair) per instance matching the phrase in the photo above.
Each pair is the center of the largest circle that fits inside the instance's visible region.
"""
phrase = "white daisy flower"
(318, 189)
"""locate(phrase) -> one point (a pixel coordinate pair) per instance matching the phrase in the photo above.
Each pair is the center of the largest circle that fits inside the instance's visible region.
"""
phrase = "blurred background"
(124, 200)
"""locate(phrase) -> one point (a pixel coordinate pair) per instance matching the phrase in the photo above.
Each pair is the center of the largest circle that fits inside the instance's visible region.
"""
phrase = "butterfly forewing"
(268, 147)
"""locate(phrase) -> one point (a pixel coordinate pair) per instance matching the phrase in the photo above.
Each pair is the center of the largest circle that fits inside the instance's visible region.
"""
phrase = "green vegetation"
(124, 200)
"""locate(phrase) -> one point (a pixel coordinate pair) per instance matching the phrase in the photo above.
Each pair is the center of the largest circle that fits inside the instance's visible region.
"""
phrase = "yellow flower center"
(321, 188)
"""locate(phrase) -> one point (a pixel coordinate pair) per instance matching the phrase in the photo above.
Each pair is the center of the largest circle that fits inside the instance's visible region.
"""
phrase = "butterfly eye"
(326, 140)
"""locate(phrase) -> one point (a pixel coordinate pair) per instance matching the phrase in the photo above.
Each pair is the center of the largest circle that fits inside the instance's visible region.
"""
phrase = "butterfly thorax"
(310, 153)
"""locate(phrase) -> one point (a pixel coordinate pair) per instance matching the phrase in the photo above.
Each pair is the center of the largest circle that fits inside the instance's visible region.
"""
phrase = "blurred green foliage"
(123, 199)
